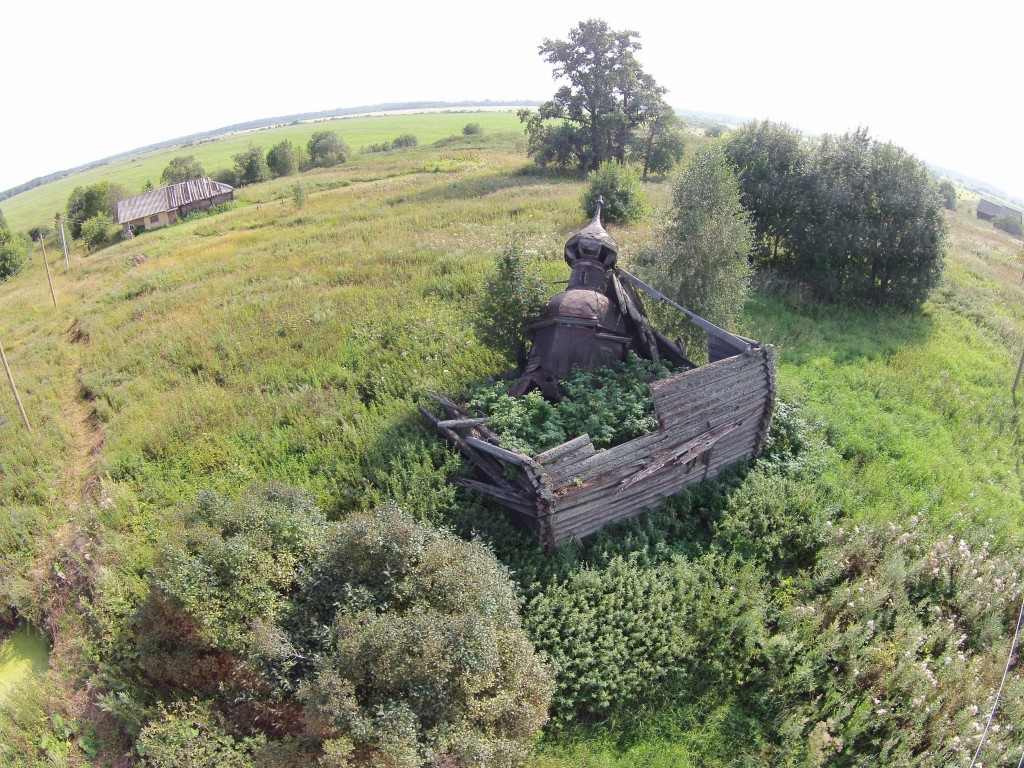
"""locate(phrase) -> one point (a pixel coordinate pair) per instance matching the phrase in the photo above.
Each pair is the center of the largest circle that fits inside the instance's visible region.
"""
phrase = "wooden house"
(710, 417)
(988, 211)
(163, 206)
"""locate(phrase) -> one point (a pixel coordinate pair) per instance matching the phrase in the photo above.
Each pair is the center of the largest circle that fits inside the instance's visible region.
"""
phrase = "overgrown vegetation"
(611, 404)
(275, 344)
(513, 295)
(853, 218)
(1008, 224)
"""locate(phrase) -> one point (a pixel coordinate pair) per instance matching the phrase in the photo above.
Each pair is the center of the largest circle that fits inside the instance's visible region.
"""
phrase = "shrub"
(283, 159)
(472, 129)
(405, 140)
(299, 194)
(620, 188)
(326, 149)
(374, 636)
(699, 256)
(1008, 224)
(12, 252)
(226, 176)
(98, 231)
(512, 297)
(190, 734)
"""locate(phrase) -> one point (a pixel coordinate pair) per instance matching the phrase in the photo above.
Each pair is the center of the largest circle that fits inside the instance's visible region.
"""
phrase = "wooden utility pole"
(14, 389)
(64, 243)
(1013, 392)
(45, 264)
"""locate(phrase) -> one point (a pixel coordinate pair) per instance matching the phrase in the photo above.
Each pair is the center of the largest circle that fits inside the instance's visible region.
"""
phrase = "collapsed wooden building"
(710, 417)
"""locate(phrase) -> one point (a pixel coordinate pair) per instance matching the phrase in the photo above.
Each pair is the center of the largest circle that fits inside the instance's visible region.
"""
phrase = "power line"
(999, 695)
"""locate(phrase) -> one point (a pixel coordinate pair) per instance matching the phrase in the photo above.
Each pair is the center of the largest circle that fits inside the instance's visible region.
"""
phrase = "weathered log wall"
(711, 418)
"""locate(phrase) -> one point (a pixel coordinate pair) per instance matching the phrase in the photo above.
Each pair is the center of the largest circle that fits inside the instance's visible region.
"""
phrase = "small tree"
(513, 296)
(86, 202)
(620, 188)
(98, 231)
(299, 194)
(282, 159)
(699, 256)
(405, 140)
(226, 176)
(948, 192)
(472, 129)
(326, 149)
(659, 146)
(12, 252)
(251, 166)
(181, 169)
(1008, 224)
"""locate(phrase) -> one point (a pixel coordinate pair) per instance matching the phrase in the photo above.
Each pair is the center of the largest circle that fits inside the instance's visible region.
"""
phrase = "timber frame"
(711, 417)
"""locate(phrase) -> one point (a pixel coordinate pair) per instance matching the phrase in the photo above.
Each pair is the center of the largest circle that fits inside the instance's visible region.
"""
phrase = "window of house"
(154, 219)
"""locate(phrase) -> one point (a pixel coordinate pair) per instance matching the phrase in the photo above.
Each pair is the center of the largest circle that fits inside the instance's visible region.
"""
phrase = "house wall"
(202, 205)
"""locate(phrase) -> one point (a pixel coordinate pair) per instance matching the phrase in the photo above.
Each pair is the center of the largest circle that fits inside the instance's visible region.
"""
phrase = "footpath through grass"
(272, 343)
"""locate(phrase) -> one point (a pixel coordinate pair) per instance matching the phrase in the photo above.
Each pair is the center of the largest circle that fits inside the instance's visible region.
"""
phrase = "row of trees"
(852, 217)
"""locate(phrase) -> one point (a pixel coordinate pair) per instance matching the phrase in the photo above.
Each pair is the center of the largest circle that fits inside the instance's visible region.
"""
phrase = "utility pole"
(1020, 368)
(64, 242)
(14, 389)
(45, 264)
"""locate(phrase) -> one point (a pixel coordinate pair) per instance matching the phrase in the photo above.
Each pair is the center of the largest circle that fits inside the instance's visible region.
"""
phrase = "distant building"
(988, 211)
(163, 206)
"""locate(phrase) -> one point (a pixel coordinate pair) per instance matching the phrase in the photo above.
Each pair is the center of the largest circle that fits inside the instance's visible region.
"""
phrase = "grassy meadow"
(38, 206)
(273, 343)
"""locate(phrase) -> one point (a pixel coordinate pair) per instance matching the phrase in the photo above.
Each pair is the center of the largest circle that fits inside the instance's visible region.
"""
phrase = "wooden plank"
(456, 423)
(554, 455)
(498, 452)
(507, 498)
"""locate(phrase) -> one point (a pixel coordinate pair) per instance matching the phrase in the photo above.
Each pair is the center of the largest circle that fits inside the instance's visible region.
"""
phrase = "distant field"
(38, 206)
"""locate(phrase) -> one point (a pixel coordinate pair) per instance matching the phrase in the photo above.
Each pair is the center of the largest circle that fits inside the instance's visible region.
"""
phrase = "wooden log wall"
(711, 418)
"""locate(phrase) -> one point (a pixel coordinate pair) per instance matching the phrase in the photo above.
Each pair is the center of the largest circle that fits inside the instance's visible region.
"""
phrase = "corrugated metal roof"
(171, 196)
(146, 204)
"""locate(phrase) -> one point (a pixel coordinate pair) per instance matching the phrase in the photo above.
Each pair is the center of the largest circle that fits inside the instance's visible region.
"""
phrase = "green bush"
(1008, 224)
(619, 186)
(404, 140)
(191, 734)
(12, 252)
(374, 636)
(513, 296)
(98, 231)
(472, 129)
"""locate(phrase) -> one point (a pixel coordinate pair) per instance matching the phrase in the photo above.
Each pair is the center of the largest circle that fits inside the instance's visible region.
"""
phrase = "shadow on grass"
(805, 329)
(481, 185)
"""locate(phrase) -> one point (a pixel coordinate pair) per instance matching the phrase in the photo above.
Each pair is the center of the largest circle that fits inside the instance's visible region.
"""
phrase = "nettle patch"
(613, 405)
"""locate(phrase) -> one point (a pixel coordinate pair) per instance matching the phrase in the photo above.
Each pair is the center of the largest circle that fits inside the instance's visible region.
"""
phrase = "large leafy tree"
(604, 99)
(769, 159)
(326, 149)
(283, 159)
(182, 168)
(86, 202)
(851, 217)
(251, 166)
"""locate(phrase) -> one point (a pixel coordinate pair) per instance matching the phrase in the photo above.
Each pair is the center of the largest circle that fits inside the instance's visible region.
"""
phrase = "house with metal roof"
(163, 206)
(988, 211)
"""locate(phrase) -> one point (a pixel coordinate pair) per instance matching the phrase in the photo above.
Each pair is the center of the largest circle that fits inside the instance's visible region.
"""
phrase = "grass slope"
(276, 343)
(38, 206)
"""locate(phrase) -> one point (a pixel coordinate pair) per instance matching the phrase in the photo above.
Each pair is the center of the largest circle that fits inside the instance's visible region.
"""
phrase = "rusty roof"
(169, 197)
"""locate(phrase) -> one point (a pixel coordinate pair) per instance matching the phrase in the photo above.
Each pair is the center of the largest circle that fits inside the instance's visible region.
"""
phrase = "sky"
(85, 80)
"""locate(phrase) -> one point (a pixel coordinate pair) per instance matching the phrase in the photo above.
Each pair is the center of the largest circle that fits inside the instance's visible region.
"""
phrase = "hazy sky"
(84, 80)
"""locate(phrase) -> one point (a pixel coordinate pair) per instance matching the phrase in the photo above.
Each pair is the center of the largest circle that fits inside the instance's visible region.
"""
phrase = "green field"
(38, 206)
(271, 343)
